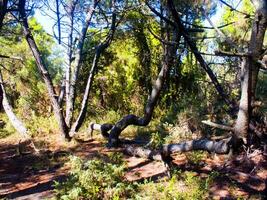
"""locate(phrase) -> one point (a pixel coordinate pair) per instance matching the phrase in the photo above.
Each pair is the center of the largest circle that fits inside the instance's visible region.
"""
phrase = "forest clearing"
(136, 99)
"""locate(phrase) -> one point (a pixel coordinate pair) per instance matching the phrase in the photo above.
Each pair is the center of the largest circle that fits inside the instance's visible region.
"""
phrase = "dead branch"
(219, 126)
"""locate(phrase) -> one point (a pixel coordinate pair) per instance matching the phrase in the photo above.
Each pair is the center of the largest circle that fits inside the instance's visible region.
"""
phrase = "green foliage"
(182, 186)
(195, 157)
(42, 125)
(95, 179)
(6, 127)
(24, 84)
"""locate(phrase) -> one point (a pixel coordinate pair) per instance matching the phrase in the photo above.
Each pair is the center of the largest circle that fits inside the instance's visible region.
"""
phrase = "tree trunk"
(249, 71)
(3, 9)
(77, 65)
(61, 92)
(219, 147)
(43, 70)
(16, 122)
(82, 113)
(70, 57)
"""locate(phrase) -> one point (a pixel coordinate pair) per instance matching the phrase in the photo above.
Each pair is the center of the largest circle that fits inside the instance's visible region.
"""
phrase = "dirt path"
(32, 176)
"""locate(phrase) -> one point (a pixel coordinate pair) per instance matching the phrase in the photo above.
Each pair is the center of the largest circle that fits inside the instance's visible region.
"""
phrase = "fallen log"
(219, 147)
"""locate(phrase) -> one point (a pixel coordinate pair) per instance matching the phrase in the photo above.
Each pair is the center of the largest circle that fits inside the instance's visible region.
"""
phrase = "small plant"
(195, 157)
(156, 140)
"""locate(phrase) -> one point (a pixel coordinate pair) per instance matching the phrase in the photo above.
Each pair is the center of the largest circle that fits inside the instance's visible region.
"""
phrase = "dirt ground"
(31, 176)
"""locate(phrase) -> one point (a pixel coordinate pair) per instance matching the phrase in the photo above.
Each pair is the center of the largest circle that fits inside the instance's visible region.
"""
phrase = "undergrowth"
(95, 179)
(103, 178)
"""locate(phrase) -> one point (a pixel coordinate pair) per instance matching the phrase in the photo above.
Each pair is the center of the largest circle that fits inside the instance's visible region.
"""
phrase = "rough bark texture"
(249, 69)
(70, 52)
(3, 9)
(43, 70)
(77, 64)
(16, 122)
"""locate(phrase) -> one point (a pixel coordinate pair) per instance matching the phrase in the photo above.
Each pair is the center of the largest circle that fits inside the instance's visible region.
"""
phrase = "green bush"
(95, 179)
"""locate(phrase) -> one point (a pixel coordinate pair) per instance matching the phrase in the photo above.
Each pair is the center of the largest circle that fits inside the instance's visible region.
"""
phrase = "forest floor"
(31, 176)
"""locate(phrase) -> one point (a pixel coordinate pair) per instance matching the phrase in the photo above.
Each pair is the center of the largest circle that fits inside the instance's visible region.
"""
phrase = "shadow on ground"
(32, 176)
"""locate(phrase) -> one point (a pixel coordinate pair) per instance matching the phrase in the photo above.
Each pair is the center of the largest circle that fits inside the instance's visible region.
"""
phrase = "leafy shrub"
(40, 125)
(95, 179)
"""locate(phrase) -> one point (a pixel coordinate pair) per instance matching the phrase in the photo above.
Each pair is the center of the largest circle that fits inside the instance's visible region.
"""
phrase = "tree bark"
(58, 22)
(61, 92)
(43, 70)
(15, 121)
(70, 56)
(3, 10)
(250, 69)
(77, 64)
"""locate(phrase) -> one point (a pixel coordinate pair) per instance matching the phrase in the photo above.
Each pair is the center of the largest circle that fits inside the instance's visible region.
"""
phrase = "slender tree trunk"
(82, 113)
(99, 50)
(58, 22)
(43, 70)
(70, 56)
(249, 71)
(15, 121)
(3, 9)
(77, 64)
